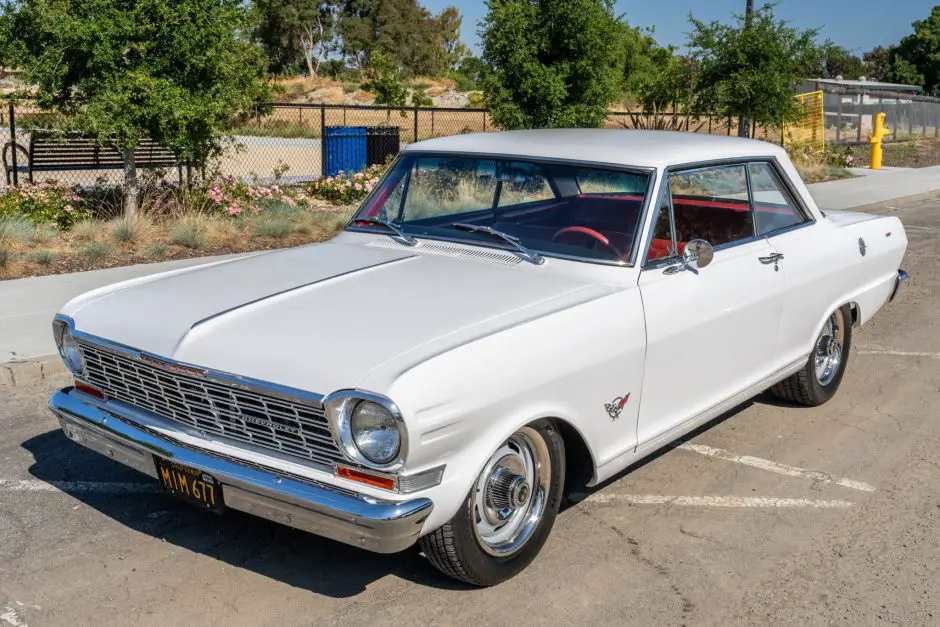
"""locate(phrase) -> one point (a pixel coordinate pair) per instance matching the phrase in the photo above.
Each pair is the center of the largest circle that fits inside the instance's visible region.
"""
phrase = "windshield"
(556, 209)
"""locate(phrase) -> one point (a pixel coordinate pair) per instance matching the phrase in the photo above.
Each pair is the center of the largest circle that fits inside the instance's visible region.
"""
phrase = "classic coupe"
(504, 310)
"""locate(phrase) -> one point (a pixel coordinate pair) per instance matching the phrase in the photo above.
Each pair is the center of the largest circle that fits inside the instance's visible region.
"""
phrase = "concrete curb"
(14, 373)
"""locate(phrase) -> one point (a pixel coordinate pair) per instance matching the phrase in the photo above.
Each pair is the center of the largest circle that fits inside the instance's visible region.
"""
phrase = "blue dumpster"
(344, 148)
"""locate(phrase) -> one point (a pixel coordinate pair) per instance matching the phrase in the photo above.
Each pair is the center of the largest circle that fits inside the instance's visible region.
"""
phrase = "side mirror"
(697, 254)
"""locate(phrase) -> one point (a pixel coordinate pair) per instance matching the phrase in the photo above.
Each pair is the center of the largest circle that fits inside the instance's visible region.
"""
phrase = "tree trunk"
(130, 183)
(744, 124)
(308, 57)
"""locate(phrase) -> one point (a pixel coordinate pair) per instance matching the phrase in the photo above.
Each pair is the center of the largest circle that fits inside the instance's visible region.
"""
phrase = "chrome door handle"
(771, 259)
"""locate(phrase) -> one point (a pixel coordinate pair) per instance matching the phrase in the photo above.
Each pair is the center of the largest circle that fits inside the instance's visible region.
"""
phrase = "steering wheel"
(595, 235)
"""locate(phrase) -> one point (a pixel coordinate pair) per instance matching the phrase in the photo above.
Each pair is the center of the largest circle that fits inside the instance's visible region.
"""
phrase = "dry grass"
(86, 231)
(821, 172)
(28, 250)
(126, 230)
(189, 232)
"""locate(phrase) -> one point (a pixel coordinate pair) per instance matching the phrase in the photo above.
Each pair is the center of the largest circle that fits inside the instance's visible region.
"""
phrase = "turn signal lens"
(376, 481)
(84, 388)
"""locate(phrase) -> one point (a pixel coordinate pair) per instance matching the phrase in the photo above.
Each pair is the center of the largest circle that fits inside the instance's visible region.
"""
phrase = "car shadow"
(288, 555)
(576, 494)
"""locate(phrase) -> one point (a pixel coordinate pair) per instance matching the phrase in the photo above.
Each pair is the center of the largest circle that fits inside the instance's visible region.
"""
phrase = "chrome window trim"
(789, 194)
(641, 220)
(721, 163)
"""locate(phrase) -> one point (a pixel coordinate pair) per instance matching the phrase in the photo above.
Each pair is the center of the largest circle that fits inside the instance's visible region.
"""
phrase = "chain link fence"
(281, 142)
(288, 143)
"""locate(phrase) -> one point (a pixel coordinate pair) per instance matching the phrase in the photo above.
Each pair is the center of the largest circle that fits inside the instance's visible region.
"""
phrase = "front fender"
(461, 405)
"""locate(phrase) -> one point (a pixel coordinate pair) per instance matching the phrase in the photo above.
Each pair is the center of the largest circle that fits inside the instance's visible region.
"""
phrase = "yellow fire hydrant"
(877, 134)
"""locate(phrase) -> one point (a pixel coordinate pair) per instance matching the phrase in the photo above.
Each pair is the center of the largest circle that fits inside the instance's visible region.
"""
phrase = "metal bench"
(60, 152)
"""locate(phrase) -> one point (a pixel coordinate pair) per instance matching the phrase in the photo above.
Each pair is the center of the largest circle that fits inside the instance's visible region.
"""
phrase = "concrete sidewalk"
(28, 305)
(872, 187)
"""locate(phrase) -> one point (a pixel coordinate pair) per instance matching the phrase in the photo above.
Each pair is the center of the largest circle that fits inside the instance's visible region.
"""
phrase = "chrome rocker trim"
(377, 525)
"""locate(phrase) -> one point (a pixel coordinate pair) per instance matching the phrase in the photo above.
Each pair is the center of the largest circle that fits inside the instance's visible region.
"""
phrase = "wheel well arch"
(579, 461)
(856, 313)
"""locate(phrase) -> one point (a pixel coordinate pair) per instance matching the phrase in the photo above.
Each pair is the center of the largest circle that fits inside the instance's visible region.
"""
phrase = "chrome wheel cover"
(510, 494)
(828, 353)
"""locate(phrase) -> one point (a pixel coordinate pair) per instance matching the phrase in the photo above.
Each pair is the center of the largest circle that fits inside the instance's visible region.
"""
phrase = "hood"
(321, 317)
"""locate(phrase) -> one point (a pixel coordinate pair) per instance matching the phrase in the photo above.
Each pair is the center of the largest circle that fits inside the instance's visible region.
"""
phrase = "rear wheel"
(508, 513)
(820, 378)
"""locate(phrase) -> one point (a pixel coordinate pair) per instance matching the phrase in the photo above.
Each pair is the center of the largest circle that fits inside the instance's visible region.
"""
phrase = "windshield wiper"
(529, 255)
(408, 239)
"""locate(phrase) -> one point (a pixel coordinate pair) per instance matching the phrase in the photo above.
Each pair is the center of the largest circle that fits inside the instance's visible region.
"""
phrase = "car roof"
(648, 149)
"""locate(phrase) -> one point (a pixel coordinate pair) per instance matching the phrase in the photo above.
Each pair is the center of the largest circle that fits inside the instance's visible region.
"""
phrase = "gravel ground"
(767, 545)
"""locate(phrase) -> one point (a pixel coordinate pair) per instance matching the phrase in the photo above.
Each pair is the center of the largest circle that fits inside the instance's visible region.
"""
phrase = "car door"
(803, 259)
(711, 333)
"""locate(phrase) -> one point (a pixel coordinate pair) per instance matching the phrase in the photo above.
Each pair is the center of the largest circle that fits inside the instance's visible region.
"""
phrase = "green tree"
(173, 70)
(452, 50)
(750, 72)
(917, 59)
(402, 29)
(295, 32)
(471, 73)
(833, 61)
(384, 82)
(555, 63)
(654, 75)
(878, 63)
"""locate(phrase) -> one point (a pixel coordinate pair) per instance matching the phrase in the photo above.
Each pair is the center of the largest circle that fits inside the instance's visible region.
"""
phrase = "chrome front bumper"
(373, 524)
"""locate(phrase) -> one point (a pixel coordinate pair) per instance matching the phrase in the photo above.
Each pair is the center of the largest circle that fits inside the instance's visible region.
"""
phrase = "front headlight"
(369, 428)
(375, 432)
(68, 349)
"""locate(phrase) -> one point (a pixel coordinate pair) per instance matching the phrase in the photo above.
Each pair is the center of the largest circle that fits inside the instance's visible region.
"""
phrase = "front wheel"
(508, 513)
(819, 379)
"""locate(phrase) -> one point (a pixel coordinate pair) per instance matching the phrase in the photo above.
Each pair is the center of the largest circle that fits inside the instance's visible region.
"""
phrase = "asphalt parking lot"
(771, 514)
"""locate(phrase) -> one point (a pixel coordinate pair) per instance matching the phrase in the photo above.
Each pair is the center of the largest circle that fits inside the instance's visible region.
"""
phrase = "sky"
(858, 25)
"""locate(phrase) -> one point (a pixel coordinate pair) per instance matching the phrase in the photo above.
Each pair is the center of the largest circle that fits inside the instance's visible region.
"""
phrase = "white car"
(504, 311)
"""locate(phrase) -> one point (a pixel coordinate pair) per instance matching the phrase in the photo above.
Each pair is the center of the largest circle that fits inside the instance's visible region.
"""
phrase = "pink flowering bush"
(346, 187)
(45, 203)
(232, 197)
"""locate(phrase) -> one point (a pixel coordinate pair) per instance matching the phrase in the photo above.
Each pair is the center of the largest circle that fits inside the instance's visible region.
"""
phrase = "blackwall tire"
(819, 380)
(508, 513)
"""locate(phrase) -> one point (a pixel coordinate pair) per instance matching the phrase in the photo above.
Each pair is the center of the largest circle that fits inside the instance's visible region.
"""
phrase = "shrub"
(15, 229)
(43, 233)
(278, 228)
(96, 251)
(157, 250)
(85, 230)
(42, 257)
(43, 203)
(346, 188)
(6, 256)
(229, 196)
(126, 229)
(188, 235)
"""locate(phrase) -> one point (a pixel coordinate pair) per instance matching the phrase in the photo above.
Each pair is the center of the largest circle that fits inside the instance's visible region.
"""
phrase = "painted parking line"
(710, 501)
(879, 350)
(72, 487)
(774, 467)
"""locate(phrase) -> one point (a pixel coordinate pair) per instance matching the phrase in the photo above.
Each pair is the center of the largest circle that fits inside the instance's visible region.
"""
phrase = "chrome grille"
(266, 421)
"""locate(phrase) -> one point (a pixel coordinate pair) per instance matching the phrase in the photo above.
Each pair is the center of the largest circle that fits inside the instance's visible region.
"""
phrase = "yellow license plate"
(192, 485)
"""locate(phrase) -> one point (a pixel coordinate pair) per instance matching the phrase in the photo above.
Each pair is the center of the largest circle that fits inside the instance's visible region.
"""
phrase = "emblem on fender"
(615, 407)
